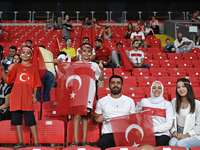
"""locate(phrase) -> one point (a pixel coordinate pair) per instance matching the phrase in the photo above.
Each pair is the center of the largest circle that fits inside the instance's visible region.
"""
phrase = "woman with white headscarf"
(161, 111)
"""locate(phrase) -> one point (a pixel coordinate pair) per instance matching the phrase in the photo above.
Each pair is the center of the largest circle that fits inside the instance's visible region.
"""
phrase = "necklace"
(184, 106)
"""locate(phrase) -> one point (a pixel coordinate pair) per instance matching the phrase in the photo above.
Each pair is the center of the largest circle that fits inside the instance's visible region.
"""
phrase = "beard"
(97, 47)
(116, 91)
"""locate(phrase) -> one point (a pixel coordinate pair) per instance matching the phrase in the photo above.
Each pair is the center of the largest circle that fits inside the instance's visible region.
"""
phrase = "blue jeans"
(188, 143)
(47, 82)
(143, 66)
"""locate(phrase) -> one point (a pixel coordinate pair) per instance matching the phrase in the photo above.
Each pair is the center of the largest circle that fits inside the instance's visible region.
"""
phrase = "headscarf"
(156, 100)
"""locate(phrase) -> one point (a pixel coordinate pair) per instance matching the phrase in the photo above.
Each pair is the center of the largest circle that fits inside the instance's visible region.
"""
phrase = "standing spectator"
(67, 28)
(103, 54)
(186, 126)
(183, 44)
(154, 25)
(136, 56)
(6, 61)
(78, 56)
(96, 23)
(108, 107)
(162, 113)
(129, 31)
(169, 48)
(86, 23)
(196, 34)
(59, 24)
(68, 49)
(148, 30)
(138, 35)
(106, 32)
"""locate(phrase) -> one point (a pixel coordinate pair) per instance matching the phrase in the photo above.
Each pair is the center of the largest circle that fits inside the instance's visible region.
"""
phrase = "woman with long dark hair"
(186, 126)
(129, 31)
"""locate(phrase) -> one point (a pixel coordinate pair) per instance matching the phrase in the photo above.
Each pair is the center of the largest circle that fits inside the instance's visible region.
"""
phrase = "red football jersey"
(25, 78)
(103, 54)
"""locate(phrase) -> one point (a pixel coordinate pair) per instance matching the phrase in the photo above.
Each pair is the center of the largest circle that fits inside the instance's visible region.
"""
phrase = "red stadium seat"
(146, 81)
(122, 148)
(195, 148)
(194, 81)
(53, 96)
(174, 56)
(168, 81)
(92, 134)
(177, 72)
(102, 91)
(37, 148)
(156, 72)
(140, 72)
(167, 64)
(172, 92)
(195, 50)
(196, 92)
(153, 50)
(189, 56)
(193, 72)
(129, 81)
(81, 148)
(142, 49)
(106, 81)
(108, 72)
(184, 64)
(121, 72)
(170, 148)
(152, 63)
(159, 56)
(196, 63)
(148, 56)
(37, 109)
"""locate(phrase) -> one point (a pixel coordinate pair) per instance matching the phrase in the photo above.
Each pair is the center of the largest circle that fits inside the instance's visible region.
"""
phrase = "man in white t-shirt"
(78, 56)
(138, 35)
(113, 105)
(183, 44)
(136, 56)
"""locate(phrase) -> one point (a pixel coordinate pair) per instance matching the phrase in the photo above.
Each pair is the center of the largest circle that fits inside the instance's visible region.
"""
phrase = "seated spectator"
(50, 25)
(129, 31)
(148, 30)
(68, 49)
(78, 56)
(154, 25)
(59, 24)
(5, 90)
(136, 56)
(139, 36)
(196, 34)
(6, 61)
(67, 28)
(16, 59)
(141, 25)
(86, 23)
(96, 23)
(169, 48)
(106, 32)
(103, 54)
(116, 57)
(186, 126)
(162, 113)
(183, 44)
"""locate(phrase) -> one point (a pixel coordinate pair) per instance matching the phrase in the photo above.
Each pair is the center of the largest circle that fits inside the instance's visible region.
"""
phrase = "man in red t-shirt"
(103, 54)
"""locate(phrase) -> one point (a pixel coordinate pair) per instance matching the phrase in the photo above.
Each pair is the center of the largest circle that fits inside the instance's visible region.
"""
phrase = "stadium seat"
(195, 148)
(122, 148)
(185, 63)
(152, 63)
(177, 72)
(193, 72)
(129, 81)
(171, 92)
(51, 131)
(167, 64)
(189, 56)
(159, 56)
(108, 72)
(194, 81)
(146, 81)
(37, 148)
(156, 72)
(153, 50)
(168, 81)
(174, 56)
(102, 91)
(195, 50)
(196, 92)
(53, 96)
(81, 148)
(9, 133)
(37, 109)
(93, 133)
(196, 63)
(143, 49)
(106, 81)
(169, 148)
(140, 72)
(148, 56)
(121, 72)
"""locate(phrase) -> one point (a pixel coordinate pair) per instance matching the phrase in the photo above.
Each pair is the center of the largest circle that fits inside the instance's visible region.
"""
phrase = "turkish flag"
(58, 49)
(126, 64)
(133, 130)
(34, 59)
(74, 83)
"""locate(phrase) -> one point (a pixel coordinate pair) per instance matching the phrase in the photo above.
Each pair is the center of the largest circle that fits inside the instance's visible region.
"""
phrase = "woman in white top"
(186, 126)
(161, 111)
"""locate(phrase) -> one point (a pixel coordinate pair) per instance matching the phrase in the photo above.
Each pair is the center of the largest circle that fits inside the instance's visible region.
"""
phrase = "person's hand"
(100, 119)
(183, 136)
(34, 99)
(105, 62)
(100, 65)
(175, 134)
(139, 65)
(2, 68)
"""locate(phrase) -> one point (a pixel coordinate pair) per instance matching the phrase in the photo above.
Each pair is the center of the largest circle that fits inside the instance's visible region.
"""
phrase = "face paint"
(89, 54)
(28, 55)
(83, 53)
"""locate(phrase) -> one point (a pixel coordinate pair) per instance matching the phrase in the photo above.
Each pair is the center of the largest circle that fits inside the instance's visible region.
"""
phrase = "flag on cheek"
(133, 130)
(73, 88)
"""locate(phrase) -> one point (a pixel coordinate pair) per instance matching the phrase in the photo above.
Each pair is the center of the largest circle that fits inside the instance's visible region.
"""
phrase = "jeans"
(188, 143)
(47, 82)
(179, 50)
(143, 66)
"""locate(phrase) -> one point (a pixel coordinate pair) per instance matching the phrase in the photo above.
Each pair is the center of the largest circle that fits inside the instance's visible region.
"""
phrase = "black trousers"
(106, 141)
(162, 140)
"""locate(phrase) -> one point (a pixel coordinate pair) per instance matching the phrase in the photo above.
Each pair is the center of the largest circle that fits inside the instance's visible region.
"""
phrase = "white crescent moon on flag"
(133, 126)
(20, 77)
(74, 77)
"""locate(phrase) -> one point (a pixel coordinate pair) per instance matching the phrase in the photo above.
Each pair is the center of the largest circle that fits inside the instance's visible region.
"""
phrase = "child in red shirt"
(26, 79)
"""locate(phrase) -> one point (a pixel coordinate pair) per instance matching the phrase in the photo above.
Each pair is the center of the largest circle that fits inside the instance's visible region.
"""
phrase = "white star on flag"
(135, 145)
(73, 95)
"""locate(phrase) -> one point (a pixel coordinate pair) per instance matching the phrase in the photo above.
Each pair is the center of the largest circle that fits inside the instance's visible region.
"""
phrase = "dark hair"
(167, 39)
(134, 41)
(98, 40)
(13, 47)
(190, 96)
(68, 39)
(131, 27)
(107, 27)
(20, 59)
(119, 43)
(29, 41)
(116, 76)
(86, 38)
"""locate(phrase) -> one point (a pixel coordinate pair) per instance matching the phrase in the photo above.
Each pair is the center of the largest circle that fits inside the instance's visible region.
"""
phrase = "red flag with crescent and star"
(133, 130)
(73, 87)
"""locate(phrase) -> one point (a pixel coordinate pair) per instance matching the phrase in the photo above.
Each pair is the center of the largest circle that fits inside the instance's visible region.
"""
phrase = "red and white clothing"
(136, 57)
(136, 35)
(78, 51)
(103, 54)
(25, 78)
(161, 111)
